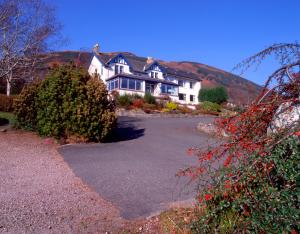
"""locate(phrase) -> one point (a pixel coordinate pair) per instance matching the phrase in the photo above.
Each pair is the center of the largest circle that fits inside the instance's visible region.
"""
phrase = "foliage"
(138, 103)
(148, 108)
(67, 103)
(184, 109)
(149, 98)
(216, 95)
(210, 106)
(124, 100)
(171, 106)
(249, 182)
(6, 103)
(25, 106)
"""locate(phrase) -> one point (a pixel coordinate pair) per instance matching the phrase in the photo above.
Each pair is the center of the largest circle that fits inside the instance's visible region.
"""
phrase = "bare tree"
(27, 29)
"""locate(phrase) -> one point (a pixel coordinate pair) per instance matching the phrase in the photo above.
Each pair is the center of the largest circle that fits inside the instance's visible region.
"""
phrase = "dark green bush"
(149, 98)
(210, 106)
(25, 106)
(216, 95)
(6, 103)
(67, 103)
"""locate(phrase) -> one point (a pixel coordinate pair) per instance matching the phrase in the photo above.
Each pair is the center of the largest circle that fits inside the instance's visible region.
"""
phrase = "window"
(116, 83)
(181, 96)
(181, 83)
(124, 83)
(138, 84)
(131, 84)
(118, 69)
(191, 85)
(169, 89)
(152, 75)
(156, 74)
(191, 98)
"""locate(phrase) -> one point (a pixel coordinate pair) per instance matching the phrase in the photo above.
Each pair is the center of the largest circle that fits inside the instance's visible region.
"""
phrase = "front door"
(149, 87)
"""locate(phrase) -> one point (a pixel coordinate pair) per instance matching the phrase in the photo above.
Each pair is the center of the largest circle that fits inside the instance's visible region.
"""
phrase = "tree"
(216, 95)
(251, 177)
(27, 28)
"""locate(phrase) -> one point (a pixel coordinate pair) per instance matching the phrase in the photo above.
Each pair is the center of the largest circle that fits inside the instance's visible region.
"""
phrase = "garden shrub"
(149, 98)
(249, 181)
(210, 106)
(124, 100)
(138, 103)
(148, 108)
(185, 110)
(215, 95)
(68, 103)
(25, 106)
(6, 103)
(265, 201)
(171, 106)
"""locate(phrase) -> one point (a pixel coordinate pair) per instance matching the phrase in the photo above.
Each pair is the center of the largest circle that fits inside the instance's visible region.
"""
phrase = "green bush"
(67, 103)
(216, 95)
(210, 106)
(149, 98)
(171, 106)
(6, 103)
(25, 106)
(124, 100)
(260, 204)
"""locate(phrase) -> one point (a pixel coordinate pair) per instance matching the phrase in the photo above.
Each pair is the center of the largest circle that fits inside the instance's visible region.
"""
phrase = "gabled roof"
(139, 65)
(149, 65)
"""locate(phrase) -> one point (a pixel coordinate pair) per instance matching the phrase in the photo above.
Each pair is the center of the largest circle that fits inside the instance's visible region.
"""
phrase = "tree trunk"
(8, 87)
(8, 84)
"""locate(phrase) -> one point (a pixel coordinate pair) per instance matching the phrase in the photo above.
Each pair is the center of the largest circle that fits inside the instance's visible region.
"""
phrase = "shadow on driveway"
(126, 130)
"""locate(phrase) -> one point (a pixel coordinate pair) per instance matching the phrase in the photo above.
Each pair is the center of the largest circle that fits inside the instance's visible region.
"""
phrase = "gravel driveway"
(136, 171)
(40, 194)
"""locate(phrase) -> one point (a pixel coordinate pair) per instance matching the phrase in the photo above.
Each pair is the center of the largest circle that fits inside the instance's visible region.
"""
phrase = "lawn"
(9, 116)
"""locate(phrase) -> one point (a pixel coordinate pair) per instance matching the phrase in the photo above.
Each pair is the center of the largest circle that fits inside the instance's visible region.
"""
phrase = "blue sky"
(216, 32)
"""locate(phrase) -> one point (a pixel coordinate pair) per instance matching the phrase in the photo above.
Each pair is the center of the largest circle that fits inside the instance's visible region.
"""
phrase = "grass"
(9, 116)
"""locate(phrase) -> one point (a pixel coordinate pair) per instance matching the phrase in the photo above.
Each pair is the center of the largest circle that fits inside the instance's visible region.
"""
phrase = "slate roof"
(139, 64)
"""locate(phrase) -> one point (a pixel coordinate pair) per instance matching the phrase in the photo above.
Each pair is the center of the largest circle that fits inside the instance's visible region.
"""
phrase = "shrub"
(67, 103)
(171, 106)
(149, 98)
(138, 103)
(249, 203)
(216, 95)
(185, 110)
(148, 108)
(25, 106)
(124, 100)
(6, 103)
(209, 106)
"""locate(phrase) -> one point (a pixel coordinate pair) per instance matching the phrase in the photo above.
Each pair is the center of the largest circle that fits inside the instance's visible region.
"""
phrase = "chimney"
(149, 60)
(96, 48)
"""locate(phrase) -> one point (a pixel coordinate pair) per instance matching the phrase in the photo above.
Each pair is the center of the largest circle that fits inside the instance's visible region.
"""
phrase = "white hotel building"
(127, 73)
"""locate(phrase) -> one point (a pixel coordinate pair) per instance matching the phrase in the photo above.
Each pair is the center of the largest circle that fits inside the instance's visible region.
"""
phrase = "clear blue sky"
(219, 33)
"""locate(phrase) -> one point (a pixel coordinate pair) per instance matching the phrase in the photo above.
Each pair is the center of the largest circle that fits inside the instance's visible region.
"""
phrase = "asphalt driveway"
(136, 170)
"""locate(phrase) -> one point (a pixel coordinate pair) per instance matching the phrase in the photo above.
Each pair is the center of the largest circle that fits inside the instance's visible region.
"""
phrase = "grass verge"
(9, 116)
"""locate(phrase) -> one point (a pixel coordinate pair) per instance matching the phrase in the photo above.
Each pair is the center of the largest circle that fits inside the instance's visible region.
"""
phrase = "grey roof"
(142, 77)
(139, 65)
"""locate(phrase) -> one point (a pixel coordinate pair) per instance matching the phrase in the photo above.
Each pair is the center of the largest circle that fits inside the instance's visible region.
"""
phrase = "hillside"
(241, 91)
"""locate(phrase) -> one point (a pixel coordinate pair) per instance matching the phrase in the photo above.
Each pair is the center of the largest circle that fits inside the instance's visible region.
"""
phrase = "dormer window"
(154, 74)
(119, 69)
